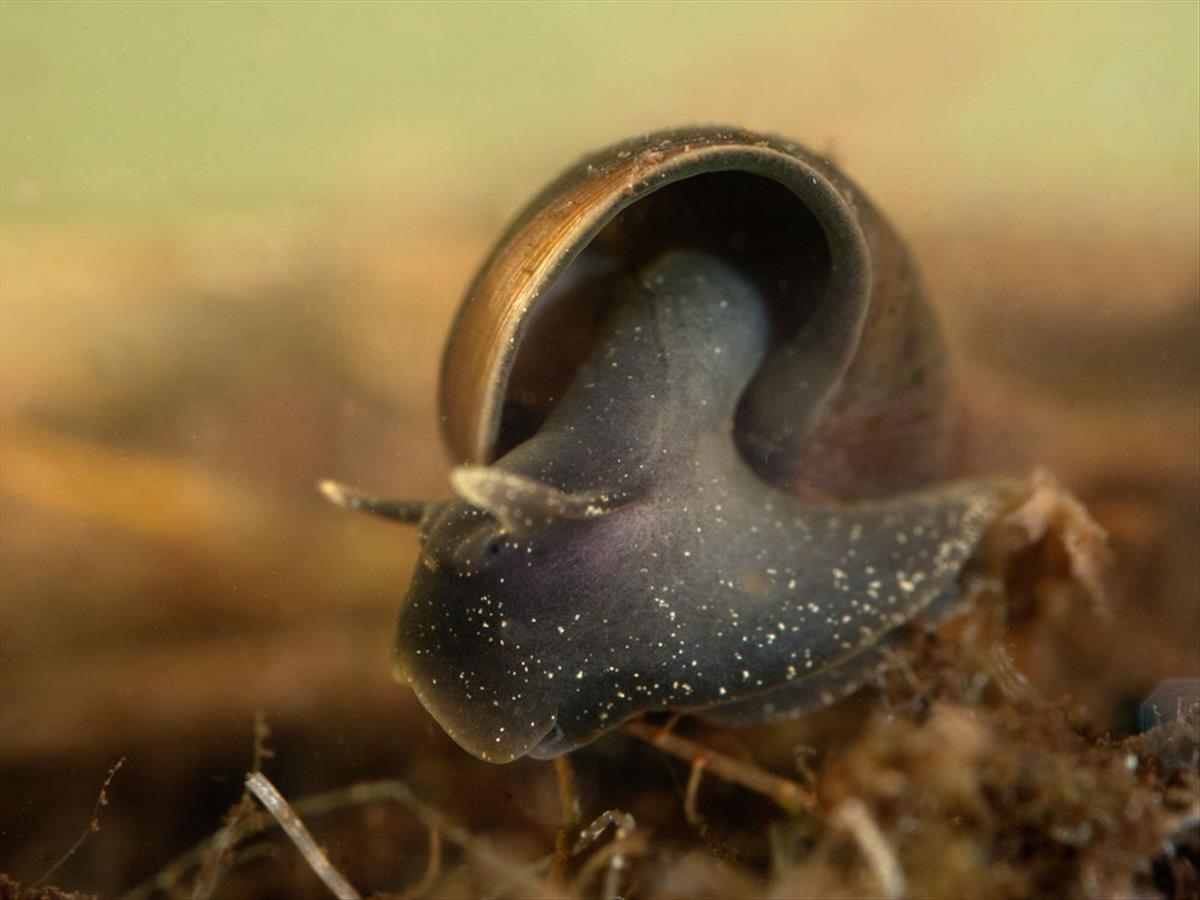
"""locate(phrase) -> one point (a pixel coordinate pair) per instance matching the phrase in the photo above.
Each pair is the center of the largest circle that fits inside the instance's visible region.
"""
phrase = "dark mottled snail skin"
(678, 529)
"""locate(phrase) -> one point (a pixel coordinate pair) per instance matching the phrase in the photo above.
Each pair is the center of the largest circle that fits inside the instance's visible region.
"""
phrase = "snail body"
(627, 558)
(725, 496)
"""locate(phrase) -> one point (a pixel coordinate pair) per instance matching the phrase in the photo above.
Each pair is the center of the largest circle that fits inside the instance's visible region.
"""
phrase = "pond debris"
(433, 867)
(852, 816)
(1051, 511)
(614, 856)
(268, 795)
(783, 791)
(216, 860)
(509, 874)
(690, 793)
(572, 813)
(92, 828)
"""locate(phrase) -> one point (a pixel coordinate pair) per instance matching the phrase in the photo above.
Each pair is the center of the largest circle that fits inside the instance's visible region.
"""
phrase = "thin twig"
(1015, 686)
(276, 805)
(261, 751)
(853, 816)
(362, 794)
(568, 796)
(622, 822)
(217, 861)
(669, 725)
(613, 855)
(568, 790)
(801, 755)
(689, 795)
(214, 865)
(93, 825)
(527, 874)
(786, 793)
(433, 869)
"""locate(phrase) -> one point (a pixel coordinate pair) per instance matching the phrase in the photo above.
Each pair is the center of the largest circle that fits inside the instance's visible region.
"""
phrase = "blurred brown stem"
(568, 795)
(786, 793)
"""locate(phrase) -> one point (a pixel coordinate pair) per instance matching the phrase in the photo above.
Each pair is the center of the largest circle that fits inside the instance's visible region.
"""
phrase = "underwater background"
(233, 236)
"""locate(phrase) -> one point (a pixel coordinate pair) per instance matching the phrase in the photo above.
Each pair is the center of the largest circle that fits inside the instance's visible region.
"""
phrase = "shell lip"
(562, 220)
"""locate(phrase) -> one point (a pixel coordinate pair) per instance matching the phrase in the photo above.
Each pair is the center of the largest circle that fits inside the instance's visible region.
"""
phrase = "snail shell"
(852, 399)
(701, 401)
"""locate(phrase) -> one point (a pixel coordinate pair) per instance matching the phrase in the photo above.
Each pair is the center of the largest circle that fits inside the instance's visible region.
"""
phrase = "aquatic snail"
(708, 453)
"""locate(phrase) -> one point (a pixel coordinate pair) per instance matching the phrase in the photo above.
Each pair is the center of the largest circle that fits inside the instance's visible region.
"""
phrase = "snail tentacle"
(407, 512)
(522, 504)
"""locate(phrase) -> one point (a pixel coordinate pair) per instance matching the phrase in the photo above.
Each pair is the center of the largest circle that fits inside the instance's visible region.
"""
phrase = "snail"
(708, 454)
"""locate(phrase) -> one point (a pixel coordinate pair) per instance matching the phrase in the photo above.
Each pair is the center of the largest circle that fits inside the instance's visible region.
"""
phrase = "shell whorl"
(851, 401)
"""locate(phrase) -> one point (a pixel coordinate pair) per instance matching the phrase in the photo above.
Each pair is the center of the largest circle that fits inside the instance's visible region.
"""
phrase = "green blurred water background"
(116, 110)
